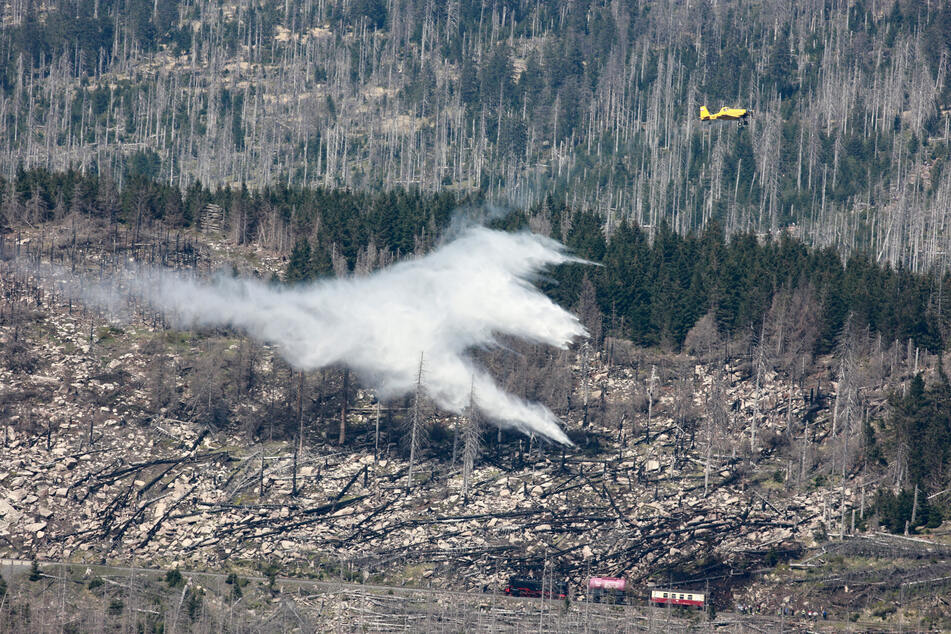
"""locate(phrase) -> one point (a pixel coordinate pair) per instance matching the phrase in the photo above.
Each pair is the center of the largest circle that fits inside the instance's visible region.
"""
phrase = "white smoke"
(460, 297)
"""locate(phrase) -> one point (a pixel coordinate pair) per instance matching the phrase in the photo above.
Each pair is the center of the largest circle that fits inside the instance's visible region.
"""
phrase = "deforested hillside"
(509, 100)
(780, 441)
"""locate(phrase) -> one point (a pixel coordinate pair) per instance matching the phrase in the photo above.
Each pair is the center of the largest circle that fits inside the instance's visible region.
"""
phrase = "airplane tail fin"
(704, 113)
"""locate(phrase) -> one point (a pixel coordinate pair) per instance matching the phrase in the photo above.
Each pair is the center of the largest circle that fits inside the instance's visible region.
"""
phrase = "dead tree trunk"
(584, 379)
(343, 408)
(650, 400)
(300, 431)
(376, 435)
(470, 448)
(760, 370)
(414, 429)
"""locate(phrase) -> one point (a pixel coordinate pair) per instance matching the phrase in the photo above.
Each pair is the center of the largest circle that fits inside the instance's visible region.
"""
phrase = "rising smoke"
(462, 296)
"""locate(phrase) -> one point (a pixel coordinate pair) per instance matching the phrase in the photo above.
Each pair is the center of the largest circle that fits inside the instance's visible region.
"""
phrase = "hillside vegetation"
(512, 99)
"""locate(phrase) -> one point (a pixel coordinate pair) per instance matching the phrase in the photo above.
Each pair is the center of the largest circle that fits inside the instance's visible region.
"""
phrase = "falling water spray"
(463, 296)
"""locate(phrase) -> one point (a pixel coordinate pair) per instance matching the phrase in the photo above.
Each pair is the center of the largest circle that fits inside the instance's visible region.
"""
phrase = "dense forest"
(593, 100)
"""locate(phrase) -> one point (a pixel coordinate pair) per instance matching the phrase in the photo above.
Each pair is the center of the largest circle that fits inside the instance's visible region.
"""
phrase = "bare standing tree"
(846, 400)
(160, 380)
(416, 424)
(589, 312)
(207, 402)
(585, 389)
(760, 368)
(703, 339)
(299, 445)
(342, 436)
(650, 398)
(792, 328)
(471, 442)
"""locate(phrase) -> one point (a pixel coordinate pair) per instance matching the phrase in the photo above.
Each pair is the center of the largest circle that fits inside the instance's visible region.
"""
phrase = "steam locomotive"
(529, 587)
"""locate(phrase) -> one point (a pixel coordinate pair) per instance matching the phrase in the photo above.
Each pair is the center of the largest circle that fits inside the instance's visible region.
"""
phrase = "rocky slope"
(92, 471)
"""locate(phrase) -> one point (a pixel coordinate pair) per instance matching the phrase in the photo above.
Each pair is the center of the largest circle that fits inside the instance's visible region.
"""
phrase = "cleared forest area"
(131, 443)
(510, 100)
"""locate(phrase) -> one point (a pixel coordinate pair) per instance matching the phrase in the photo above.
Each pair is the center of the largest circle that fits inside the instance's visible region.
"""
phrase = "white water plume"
(460, 297)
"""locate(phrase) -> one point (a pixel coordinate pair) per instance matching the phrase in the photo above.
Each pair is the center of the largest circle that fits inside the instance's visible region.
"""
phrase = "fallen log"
(349, 484)
(361, 527)
(118, 502)
(281, 527)
(120, 531)
(168, 511)
(118, 474)
(90, 475)
(148, 485)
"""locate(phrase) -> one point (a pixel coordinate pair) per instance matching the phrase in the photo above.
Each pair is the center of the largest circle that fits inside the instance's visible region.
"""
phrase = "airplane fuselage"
(726, 114)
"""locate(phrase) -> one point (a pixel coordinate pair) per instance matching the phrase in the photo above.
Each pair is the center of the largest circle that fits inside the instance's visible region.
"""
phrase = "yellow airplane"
(726, 114)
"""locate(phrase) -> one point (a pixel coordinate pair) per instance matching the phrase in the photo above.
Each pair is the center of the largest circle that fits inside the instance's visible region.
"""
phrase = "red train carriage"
(673, 596)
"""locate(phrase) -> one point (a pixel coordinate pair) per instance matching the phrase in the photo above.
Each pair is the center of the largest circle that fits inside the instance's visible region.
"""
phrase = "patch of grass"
(414, 572)
(106, 335)
(178, 338)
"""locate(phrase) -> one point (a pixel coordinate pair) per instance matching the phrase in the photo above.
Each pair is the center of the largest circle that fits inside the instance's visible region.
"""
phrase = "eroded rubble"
(81, 482)
(87, 476)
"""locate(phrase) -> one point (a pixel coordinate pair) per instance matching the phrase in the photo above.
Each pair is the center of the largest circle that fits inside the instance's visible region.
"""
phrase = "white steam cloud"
(462, 296)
